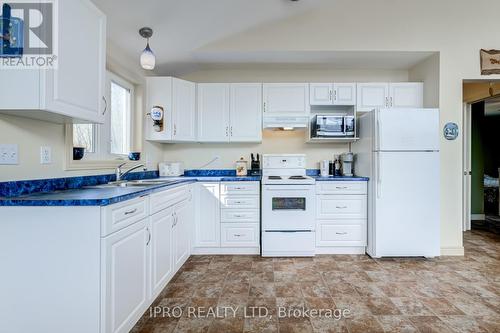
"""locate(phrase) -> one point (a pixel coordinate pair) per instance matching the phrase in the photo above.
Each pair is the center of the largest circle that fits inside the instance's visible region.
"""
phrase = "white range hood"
(286, 122)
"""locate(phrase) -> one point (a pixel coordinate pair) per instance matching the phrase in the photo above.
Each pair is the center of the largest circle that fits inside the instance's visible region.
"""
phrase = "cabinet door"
(125, 286)
(286, 99)
(161, 257)
(180, 234)
(406, 95)
(76, 88)
(213, 112)
(159, 93)
(246, 112)
(207, 222)
(320, 94)
(344, 94)
(372, 96)
(184, 110)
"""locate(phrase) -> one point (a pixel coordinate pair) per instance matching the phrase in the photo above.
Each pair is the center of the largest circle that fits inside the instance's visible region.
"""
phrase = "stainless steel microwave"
(334, 126)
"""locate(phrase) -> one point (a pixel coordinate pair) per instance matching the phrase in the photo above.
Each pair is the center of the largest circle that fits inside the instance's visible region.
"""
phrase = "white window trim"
(101, 159)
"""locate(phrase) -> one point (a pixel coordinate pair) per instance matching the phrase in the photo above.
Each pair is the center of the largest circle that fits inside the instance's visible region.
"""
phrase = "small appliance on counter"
(347, 164)
(241, 167)
(254, 166)
(324, 168)
(171, 169)
(334, 126)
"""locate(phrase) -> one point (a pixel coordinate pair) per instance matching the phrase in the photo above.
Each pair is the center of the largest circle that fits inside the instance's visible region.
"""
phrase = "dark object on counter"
(255, 162)
(78, 153)
(135, 156)
(332, 168)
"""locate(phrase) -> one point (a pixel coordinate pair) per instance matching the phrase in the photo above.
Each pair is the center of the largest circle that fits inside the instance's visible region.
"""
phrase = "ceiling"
(183, 28)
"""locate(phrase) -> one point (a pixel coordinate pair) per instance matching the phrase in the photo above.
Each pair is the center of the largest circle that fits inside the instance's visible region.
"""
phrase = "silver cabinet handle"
(341, 207)
(131, 211)
(390, 103)
(175, 129)
(341, 233)
(238, 235)
(231, 130)
(239, 215)
(238, 202)
(341, 187)
(331, 95)
(105, 105)
(387, 102)
(227, 130)
(335, 95)
(264, 106)
(149, 236)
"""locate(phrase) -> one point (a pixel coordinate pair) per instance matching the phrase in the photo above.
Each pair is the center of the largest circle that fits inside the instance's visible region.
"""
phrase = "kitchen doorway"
(481, 207)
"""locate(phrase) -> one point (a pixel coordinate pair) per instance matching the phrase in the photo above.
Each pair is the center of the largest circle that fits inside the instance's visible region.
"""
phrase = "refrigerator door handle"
(377, 129)
(379, 178)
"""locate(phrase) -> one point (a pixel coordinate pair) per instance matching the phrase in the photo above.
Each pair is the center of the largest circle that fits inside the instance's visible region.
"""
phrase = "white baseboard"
(452, 251)
(478, 217)
(225, 250)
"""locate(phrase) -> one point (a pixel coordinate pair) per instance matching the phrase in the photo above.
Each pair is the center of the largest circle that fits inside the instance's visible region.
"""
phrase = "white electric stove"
(288, 207)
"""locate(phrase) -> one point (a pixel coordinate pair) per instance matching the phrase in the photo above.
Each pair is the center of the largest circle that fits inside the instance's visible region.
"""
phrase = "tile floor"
(449, 294)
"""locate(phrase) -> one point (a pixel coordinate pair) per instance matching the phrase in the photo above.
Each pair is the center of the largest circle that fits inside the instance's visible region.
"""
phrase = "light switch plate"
(9, 154)
(45, 155)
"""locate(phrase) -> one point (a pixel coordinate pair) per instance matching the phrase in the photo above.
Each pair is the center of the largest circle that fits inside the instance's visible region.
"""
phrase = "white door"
(321, 94)
(406, 95)
(286, 99)
(467, 180)
(125, 274)
(246, 112)
(213, 112)
(407, 209)
(372, 96)
(161, 257)
(181, 233)
(184, 110)
(76, 88)
(344, 93)
(207, 221)
(407, 129)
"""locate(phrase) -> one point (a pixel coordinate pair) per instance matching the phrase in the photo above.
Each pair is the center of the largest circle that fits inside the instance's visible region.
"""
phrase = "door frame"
(466, 166)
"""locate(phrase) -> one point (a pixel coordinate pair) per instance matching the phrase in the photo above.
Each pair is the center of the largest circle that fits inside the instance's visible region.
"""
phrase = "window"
(111, 140)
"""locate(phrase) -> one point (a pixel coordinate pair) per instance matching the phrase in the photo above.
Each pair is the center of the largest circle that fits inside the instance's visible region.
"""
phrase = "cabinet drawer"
(332, 234)
(162, 200)
(344, 187)
(240, 202)
(237, 215)
(120, 215)
(240, 235)
(341, 206)
(239, 188)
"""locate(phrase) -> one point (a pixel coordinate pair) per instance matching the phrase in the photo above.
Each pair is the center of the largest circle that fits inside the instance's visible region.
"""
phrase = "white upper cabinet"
(75, 91)
(246, 112)
(372, 96)
(389, 95)
(321, 94)
(229, 112)
(332, 94)
(406, 95)
(213, 112)
(286, 99)
(344, 93)
(178, 100)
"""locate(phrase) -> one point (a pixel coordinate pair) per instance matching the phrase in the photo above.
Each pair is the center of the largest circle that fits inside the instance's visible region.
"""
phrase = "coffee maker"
(347, 164)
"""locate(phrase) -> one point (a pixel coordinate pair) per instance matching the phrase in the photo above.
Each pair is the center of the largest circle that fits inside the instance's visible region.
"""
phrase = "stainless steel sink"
(132, 183)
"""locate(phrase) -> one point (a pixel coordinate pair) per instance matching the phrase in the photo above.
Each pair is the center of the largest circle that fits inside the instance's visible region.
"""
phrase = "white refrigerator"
(399, 150)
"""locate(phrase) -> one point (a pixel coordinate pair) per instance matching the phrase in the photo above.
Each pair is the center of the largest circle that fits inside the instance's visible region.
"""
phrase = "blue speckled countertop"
(341, 179)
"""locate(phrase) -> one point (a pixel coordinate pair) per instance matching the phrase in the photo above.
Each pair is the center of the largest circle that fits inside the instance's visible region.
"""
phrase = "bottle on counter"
(337, 172)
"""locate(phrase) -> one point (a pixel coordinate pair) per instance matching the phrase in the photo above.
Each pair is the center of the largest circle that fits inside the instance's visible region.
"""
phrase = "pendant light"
(148, 59)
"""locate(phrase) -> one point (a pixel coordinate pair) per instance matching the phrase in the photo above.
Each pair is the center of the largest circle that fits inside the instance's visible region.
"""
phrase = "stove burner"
(274, 177)
(297, 177)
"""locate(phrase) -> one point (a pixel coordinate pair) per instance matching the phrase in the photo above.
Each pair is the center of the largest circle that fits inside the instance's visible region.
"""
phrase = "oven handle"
(288, 231)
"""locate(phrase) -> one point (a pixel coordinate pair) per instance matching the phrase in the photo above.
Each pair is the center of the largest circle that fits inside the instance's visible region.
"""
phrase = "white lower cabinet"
(125, 277)
(228, 218)
(161, 257)
(341, 217)
(181, 231)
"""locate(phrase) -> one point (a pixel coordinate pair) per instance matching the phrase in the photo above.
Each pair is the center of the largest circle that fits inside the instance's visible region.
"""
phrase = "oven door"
(288, 207)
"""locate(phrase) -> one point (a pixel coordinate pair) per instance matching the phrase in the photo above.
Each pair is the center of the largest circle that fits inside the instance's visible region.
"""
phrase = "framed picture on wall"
(490, 62)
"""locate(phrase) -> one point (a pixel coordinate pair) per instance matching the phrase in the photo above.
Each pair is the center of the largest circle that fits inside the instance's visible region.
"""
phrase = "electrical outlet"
(9, 154)
(45, 155)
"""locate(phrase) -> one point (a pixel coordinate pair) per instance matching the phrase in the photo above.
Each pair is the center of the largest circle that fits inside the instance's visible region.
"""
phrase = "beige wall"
(32, 134)
(428, 72)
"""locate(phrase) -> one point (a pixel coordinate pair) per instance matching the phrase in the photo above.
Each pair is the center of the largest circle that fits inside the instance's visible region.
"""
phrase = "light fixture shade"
(148, 59)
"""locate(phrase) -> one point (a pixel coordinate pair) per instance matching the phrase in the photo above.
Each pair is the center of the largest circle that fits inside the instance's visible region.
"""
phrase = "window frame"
(102, 157)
